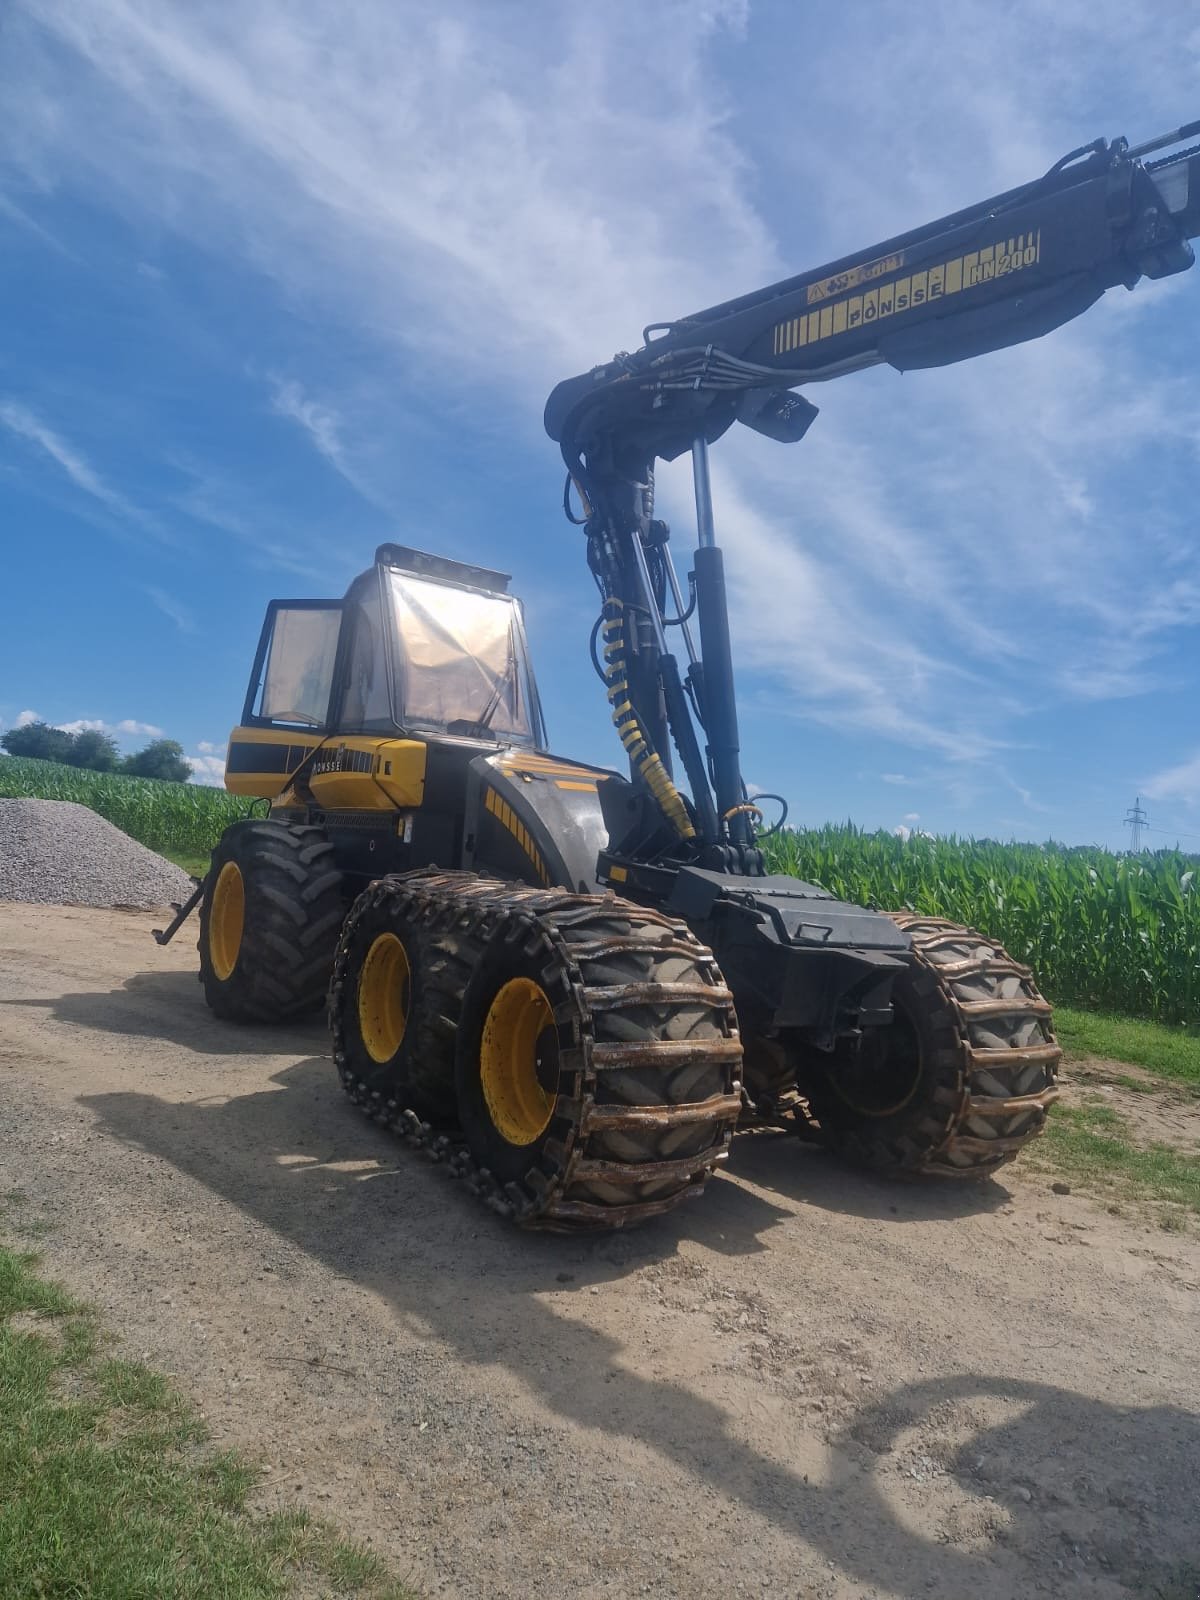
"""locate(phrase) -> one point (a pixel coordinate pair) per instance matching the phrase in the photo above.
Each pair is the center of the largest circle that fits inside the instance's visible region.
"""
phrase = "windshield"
(460, 667)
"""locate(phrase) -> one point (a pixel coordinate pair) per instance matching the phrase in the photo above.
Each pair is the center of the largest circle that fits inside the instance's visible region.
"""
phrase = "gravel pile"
(57, 853)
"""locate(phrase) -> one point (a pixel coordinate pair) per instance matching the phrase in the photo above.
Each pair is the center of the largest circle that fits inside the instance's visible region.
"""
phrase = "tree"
(40, 741)
(93, 749)
(162, 758)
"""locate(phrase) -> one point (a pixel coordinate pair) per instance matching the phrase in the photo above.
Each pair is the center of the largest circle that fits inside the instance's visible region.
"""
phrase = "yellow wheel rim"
(518, 1037)
(226, 919)
(384, 991)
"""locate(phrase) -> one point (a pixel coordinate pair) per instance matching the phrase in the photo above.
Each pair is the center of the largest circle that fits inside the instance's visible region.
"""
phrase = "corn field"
(181, 817)
(1117, 933)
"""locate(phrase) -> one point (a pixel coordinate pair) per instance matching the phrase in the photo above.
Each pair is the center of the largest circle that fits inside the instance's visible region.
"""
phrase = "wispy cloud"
(18, 419)
(321, 423)
(1179, 782)
(109, 508)
(16, 214)
(172, 608)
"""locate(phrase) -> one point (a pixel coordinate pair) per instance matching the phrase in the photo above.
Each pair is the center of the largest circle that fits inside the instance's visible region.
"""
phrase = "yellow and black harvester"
(574, 983)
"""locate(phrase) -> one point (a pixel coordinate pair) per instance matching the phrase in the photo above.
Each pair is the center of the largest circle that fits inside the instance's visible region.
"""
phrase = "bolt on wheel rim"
(518, 1061)
(384, 991)
(226, 920)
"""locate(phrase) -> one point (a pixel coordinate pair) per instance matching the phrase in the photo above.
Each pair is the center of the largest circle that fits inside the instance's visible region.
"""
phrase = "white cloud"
(1181, 782)
(207, 768)
(24, 718)
(128, 727)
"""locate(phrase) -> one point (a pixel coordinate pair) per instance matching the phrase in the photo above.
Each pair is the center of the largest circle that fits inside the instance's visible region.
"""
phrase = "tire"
(273, 902)
(636, 1060)
(962, 1079)
(390, 1069)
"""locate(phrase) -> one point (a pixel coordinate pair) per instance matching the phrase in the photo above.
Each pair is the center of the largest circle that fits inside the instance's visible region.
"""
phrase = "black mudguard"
(534, 818)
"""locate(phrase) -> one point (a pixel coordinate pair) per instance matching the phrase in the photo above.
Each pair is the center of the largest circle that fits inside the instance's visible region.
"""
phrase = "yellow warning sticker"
(902, 294)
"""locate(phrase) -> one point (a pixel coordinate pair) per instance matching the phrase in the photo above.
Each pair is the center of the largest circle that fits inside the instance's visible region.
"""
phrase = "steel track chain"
(1005, 1056)
(1008, 1054)
(469, 911)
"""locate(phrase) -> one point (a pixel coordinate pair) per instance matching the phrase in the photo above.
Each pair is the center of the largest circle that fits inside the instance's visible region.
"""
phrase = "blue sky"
(282, 279)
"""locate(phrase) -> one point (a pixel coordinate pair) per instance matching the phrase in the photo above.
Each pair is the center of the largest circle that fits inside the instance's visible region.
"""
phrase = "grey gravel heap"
(57, 853)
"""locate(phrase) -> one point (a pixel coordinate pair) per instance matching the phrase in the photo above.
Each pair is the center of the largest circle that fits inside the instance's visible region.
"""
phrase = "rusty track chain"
(460, 913)
(1008, 1055)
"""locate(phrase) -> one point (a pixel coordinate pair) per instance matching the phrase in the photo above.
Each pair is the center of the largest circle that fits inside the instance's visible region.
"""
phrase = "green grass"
(195, 865)
(179, 819)
(109, 1490)
(1172, 1053)
(1092, 1144)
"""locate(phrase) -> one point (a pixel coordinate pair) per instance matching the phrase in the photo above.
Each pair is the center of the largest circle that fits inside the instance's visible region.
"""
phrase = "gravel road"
(807, 1384)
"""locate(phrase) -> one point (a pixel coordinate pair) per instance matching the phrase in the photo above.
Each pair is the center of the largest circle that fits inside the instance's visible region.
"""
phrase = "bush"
(162, 758)
(39, 742)
(92, 749)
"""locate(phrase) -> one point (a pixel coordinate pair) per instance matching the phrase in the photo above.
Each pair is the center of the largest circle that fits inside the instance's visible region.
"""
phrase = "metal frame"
(249, 718)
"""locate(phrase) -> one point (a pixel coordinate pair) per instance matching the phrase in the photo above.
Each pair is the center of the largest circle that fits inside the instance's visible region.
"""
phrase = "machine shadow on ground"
(298, 1159)
(170, 1006)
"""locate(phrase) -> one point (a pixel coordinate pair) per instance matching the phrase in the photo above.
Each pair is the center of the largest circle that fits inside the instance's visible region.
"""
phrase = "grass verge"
(1092, 1144)
(194, 865)
(108, 1488)
(1171, 1053)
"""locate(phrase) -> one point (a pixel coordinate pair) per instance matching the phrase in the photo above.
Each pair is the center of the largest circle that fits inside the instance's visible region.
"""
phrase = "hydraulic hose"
(647, 763)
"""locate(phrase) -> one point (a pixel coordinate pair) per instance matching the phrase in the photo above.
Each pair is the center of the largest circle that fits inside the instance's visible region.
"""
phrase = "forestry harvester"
(573, 984)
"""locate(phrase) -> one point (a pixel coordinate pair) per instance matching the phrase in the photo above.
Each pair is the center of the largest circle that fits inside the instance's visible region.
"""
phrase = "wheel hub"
(226, 920)
(518, 1060)
(384, 994)
(883, 1074)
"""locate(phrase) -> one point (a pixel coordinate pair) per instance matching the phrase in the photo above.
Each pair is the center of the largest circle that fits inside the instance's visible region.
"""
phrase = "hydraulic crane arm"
(995, 274)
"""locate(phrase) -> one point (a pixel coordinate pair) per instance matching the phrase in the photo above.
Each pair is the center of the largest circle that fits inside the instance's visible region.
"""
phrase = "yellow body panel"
(353, 771)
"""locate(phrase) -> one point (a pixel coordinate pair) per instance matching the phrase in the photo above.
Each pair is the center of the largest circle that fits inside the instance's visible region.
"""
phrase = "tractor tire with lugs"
(273, 902)
(398, 977)
(962, 1079)
(592, 1045)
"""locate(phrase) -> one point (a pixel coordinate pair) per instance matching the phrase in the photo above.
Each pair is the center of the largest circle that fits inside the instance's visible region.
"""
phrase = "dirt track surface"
(805, 1384)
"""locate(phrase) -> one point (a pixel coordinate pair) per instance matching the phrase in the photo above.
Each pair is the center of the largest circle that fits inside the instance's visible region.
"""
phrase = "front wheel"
(962, 1079)
(273, 903)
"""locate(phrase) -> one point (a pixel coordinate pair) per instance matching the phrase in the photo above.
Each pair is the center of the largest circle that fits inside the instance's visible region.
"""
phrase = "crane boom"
(994, 274)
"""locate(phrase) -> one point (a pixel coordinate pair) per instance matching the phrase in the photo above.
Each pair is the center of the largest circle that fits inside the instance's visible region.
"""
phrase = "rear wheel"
(962, 1079)
(269, 920)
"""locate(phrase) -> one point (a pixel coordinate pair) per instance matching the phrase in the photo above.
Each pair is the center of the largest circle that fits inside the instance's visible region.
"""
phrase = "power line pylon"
(1135, 820)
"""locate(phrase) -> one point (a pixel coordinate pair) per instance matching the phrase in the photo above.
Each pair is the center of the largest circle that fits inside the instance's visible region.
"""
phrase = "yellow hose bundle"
(648, 764)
